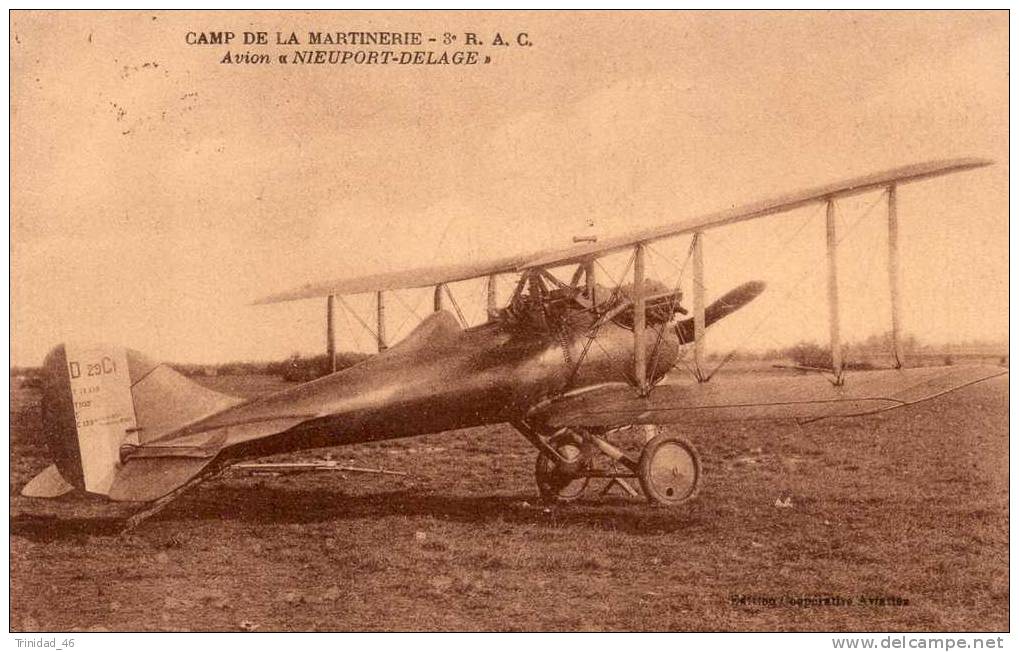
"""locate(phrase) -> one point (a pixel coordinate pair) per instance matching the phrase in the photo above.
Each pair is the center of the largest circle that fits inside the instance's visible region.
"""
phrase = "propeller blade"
(727, 304)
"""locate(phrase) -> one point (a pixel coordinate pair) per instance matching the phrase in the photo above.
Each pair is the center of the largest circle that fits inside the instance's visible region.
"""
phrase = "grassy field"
(907, 506)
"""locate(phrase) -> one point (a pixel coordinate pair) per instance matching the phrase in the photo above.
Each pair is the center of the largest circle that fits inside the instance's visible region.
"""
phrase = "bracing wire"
(351, 331)
(456, 306)
(788, 294)
(412, 309)
(357, 317)
(593, 333)
(655, 354)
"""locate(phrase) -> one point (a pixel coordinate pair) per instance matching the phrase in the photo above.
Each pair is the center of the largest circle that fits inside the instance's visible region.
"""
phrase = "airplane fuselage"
(441, 377)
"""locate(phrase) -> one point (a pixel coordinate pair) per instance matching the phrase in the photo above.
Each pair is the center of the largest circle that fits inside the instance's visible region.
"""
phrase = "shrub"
(809, 354)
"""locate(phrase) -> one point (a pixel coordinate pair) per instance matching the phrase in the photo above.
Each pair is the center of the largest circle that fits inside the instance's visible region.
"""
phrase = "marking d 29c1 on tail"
(104, 366)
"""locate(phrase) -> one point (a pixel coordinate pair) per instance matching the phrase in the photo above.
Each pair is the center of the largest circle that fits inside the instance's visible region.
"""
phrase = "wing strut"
(893, 271)
(380, 330)
(639, 323)
(833, 292)
(698, 306)
(331, 331)
(492, 307)
(590, 281)
(437, 297)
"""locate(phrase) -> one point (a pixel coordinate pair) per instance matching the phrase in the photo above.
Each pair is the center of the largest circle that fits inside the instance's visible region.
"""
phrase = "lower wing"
(759, 397)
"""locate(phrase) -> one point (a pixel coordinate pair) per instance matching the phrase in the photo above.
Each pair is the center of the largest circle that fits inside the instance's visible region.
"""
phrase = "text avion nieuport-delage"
(360, 57)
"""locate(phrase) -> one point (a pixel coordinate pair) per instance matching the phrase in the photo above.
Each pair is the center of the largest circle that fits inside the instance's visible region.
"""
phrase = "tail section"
(99, 398)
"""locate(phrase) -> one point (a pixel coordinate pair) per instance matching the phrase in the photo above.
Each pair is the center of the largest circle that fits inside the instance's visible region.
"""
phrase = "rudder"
(98, 398)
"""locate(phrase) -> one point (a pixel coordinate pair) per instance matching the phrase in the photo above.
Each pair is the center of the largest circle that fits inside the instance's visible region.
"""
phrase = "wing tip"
(304, 292)
(972, 162)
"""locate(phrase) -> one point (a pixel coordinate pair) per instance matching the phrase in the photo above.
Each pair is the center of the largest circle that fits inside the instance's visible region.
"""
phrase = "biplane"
(568, 364)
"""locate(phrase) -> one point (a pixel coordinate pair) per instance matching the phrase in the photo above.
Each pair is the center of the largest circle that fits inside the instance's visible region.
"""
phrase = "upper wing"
(769, 396)
(412, 278)
(788, 202)
(428, 276)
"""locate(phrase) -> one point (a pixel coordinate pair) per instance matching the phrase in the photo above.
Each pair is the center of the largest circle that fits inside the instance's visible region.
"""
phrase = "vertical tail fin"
(98, 398)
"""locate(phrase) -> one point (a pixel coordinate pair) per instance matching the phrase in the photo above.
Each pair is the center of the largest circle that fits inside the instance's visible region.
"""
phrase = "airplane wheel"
(669, 470)
(553, 484)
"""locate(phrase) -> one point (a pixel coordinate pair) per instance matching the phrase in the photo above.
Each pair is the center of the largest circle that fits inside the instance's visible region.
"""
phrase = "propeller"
(727, 304)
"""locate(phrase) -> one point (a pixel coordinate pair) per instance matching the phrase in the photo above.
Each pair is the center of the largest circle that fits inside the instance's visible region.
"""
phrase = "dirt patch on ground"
(910, 505)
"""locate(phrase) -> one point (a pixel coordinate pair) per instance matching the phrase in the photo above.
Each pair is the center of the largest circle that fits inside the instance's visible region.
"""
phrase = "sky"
(156, 192)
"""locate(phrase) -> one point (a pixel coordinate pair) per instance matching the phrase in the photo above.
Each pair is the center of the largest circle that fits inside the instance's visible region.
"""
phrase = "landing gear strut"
(667, 467)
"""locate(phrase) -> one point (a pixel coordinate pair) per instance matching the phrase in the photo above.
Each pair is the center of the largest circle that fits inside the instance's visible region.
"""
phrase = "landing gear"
(669, 470)
(560, 481)
(667, 466)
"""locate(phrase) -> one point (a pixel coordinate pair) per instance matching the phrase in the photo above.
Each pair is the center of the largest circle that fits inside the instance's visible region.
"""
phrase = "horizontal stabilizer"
(145, 479)
(764, 397)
